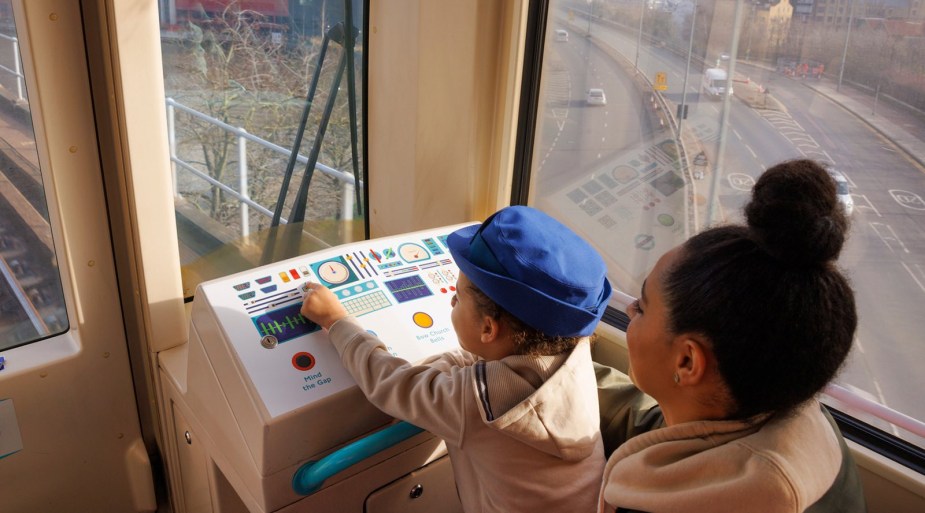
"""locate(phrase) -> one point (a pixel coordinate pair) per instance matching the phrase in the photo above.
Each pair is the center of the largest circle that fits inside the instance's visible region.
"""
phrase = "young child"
(517, 406)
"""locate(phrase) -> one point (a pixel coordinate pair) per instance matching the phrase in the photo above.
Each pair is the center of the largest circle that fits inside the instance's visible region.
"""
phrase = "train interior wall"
(453, 156)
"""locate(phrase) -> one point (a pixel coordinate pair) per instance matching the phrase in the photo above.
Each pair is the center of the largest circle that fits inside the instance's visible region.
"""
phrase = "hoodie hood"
(534, 400)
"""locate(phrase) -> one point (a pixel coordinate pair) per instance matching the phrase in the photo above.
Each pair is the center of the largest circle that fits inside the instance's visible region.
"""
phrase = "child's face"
(467, 321)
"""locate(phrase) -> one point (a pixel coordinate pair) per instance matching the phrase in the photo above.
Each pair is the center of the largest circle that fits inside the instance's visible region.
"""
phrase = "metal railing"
(17, 67)
(348, 182)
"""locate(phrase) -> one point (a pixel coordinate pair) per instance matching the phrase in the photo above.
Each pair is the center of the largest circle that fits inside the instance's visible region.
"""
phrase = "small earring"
(677, 379)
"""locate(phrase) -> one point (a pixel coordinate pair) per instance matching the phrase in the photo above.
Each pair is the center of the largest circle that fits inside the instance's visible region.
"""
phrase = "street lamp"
(844, 54)
(889, 69)
(590, 15)
(687, 72)
(751, 30)
(642, 15)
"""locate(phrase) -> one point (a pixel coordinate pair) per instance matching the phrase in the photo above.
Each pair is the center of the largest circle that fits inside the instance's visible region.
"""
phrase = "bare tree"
(236, 68)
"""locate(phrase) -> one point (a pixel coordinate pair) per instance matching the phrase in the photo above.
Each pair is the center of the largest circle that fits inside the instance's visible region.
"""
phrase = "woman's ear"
(701, 392)
(694, 361)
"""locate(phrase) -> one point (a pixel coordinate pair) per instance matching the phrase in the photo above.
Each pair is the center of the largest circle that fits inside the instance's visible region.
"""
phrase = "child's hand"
(321, 306)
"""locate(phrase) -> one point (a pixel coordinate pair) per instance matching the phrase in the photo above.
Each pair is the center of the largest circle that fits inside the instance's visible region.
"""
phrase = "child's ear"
(491, 329)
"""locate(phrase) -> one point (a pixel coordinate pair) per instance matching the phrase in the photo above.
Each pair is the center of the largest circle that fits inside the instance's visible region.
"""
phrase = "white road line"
(737, 134)
(869, 204)
(914, 277)
(888, 238)
(750, 150)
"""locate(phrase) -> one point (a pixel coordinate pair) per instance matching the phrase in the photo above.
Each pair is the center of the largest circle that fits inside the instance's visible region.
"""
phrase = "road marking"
(887, 238)
(750, 150)
(737, 134)
(740, 181)
(907, 199)
(918, 267)
(868, 205)
(560, 115)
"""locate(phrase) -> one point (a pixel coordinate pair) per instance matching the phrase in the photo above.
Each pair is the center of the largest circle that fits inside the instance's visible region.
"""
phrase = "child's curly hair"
(527, 339)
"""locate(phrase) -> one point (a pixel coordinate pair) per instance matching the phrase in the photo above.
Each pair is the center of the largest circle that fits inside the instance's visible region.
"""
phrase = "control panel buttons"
(303, 361)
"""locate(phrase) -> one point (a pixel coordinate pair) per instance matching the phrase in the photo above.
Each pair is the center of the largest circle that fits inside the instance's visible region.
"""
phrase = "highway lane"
(577, 137)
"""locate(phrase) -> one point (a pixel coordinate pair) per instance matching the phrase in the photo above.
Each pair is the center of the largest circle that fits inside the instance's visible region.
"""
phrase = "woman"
(734, 334)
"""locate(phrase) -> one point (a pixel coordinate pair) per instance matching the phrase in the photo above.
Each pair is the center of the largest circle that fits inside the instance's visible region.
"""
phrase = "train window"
(264, 109)
(702, 97)
(31, 299)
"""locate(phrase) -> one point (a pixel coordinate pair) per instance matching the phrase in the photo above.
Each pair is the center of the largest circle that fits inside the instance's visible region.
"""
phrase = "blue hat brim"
(537, 309)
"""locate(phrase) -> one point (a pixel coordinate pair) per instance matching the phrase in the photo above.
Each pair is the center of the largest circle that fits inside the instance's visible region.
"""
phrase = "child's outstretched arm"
(429, 397)
(321, 306)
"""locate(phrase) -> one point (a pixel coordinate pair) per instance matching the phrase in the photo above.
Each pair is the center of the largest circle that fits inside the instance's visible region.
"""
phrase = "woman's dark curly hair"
(778, 313)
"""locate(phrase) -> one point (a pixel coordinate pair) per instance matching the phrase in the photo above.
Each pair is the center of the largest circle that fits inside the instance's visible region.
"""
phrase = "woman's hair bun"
(794, 214)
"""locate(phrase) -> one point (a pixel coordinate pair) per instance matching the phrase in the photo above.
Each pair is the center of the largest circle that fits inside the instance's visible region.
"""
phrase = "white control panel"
(398, 287)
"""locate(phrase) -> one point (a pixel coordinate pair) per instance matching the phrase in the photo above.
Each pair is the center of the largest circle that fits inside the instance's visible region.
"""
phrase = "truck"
(714, 82)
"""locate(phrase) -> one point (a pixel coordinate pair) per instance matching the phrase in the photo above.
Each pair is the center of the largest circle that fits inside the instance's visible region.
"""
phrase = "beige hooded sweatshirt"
(522, 432)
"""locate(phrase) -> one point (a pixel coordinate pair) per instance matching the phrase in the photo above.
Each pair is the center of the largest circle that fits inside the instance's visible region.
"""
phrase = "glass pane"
(698, 99)
(264, 112)
(31, 300)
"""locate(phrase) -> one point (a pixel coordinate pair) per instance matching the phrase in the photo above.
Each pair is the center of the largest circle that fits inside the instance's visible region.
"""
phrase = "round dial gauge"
(333, 272)
(411, 252)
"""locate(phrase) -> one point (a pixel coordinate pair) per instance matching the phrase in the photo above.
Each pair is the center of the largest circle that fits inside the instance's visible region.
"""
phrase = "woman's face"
(650, 343)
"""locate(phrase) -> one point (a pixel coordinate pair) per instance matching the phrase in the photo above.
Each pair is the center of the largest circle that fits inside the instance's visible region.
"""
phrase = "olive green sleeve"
(625, 410)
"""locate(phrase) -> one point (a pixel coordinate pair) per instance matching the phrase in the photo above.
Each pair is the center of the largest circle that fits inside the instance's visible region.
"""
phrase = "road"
(885, 255)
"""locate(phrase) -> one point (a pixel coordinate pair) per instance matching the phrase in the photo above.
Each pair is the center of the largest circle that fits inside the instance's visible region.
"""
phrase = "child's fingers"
(320, 305)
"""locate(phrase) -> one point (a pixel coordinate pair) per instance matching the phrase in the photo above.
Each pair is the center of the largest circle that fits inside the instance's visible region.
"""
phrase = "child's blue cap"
(535, 268)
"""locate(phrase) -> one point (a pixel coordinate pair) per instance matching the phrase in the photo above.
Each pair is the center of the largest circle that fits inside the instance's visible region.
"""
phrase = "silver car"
(596, 97)
(842, 191)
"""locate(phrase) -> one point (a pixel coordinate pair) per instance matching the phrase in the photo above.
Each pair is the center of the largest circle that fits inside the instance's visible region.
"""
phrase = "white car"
(596, 97)
(841, 191)
(561, 35)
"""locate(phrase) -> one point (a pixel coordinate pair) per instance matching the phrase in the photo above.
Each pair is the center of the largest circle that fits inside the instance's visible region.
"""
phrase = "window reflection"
(701, 97)
(247, 83)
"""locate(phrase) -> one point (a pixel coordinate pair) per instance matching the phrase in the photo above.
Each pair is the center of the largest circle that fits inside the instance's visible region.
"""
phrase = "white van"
(561, 35)
(714, 82)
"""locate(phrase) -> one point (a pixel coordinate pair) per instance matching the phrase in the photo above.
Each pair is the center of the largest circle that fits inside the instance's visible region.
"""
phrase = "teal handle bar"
(310, 476)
